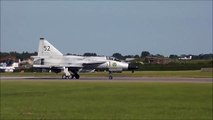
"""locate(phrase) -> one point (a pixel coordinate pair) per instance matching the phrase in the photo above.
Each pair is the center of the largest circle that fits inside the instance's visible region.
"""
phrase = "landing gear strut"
(110, 75)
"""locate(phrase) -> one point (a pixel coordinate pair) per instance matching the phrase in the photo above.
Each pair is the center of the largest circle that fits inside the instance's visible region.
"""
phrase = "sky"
(107, 27)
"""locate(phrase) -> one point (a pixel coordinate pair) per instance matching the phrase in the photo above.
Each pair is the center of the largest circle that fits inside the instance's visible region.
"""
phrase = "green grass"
(190, 73)
(105, 100)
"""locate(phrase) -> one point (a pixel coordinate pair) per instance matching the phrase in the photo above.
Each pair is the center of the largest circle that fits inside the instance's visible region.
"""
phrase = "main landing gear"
(75, 75)
(68, 75)
(71, 76)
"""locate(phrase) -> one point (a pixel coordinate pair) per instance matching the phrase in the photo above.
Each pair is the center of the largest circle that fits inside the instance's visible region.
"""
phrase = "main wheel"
(63, 76)
(72, 76)
(77, 76)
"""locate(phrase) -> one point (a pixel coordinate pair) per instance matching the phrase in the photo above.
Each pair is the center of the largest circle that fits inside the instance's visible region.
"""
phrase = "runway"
(119, 79)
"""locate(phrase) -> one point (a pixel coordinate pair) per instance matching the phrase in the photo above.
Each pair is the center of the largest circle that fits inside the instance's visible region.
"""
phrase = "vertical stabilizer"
(47, 49)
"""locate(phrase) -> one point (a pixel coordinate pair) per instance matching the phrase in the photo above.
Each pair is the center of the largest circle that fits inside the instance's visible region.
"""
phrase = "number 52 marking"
(46, 48)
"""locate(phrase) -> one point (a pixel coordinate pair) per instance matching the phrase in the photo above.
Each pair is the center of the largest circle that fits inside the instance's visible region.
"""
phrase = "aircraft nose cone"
(132, 66)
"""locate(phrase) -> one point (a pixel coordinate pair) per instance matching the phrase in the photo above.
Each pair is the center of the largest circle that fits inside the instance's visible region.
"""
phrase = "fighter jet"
(52, 59)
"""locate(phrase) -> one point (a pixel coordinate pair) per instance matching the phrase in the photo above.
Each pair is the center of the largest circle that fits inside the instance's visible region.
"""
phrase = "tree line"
(140, 60)
(17, 55)
(26, 55)
(145, 54)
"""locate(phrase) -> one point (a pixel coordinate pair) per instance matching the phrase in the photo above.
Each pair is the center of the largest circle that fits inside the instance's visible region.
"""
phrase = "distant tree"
(199, 57)
(173, 56)
(118, 56)
(90, 54)
(136, 56)
(3, 54)
(158, 55)
(68, 54)
(21, 56)
(145, 54)
(128, 56)
(206, 56)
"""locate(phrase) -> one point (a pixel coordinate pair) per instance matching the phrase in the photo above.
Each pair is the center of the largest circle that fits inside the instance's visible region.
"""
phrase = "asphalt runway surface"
(120, 79)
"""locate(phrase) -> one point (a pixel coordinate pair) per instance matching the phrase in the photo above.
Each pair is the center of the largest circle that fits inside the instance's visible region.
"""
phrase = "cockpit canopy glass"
(113, 58)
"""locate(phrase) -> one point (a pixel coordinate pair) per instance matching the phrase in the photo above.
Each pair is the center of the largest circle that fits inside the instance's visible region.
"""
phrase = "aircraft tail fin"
(47, 49)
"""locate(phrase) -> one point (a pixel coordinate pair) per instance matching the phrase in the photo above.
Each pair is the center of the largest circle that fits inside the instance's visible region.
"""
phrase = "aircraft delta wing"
(50, 58)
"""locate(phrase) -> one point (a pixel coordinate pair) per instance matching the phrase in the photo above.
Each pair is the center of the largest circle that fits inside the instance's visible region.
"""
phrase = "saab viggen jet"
(52, 59)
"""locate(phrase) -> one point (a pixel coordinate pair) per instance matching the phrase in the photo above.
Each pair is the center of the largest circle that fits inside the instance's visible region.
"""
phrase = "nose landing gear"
(110, 75)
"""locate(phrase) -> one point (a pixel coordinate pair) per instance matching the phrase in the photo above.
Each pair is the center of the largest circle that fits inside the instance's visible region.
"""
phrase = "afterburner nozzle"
(132, 66)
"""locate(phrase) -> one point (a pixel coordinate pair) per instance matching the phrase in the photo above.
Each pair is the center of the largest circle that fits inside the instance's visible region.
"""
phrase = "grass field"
(105, 100)
(190, 73)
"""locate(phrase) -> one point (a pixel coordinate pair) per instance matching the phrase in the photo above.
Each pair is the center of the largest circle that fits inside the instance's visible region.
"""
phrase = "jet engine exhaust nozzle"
(132, 66)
